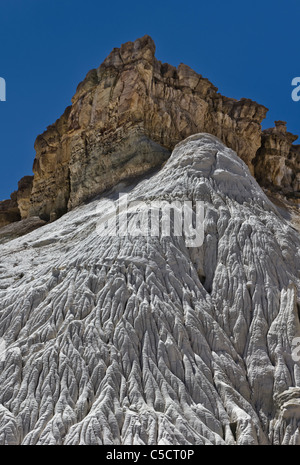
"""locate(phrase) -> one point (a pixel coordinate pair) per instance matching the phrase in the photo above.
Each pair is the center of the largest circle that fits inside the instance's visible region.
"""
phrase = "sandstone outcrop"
(19, 228)
(125, 119)
(17, 207)
(23, 195)
(9, 211)
(277, 163)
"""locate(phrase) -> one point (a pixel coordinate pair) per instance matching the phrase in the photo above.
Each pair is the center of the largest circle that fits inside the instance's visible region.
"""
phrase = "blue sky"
(247, 49)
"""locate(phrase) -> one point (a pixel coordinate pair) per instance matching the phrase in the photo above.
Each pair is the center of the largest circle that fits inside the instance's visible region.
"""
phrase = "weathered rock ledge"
(277, 162)
(125, 119)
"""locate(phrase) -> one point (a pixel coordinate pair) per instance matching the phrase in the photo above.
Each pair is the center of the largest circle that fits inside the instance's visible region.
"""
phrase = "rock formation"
(17, 207)
(9, 211)
(19, 228)
(23, 195)
(277, 162)
(142, 340)
(133, 339)
(125, 119)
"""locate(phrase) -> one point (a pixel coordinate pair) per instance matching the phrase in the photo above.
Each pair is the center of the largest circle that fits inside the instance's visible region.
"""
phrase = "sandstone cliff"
(277, 162)
(17, 207)
(125, 119)
(23, 195)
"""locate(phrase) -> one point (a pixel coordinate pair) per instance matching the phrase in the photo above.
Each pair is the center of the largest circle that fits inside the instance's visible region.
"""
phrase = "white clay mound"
(138, 340)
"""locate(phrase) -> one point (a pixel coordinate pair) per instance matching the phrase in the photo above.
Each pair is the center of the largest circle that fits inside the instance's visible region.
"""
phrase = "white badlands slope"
(128, 341)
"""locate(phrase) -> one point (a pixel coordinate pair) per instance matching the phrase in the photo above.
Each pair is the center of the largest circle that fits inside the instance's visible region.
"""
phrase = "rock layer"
(9, 211)
(23, 195)
(143, 340)
(19, 228)
(277, 163)
(125, 118)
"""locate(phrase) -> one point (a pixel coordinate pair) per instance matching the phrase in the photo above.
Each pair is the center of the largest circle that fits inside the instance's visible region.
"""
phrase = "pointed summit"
(141, 49)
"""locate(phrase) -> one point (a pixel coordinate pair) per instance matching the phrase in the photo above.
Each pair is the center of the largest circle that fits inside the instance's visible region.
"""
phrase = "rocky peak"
(277, 162)
(280, 127)
(126, 118)
(142, 49)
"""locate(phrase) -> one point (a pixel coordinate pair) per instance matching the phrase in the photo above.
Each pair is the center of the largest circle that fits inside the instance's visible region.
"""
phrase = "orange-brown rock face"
(277, 163)
(17, 207)
(23, 195)
(125, 118)
(9, 212)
